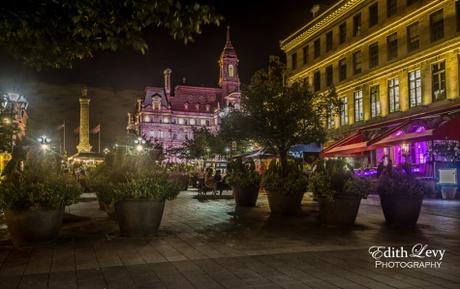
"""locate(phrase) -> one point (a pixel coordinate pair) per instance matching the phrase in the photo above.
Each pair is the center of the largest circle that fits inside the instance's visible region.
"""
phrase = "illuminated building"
(395, 66)
(167, 117)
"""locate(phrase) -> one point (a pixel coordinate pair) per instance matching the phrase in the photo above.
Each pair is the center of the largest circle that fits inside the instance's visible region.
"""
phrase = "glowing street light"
(140, 142)
(44, 142)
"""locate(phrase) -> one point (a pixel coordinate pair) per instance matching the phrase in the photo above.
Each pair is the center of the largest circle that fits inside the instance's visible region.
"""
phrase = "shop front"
(427, 142)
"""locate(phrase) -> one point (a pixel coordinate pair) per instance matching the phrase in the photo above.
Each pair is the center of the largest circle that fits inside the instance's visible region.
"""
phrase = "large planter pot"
(340, 211)
(401, 210)
(246, 196)
(448, 192)
(138, 218)
(284, 204)
(35, 226)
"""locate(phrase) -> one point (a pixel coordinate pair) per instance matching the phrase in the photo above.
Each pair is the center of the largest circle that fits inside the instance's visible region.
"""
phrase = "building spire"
(228, 34)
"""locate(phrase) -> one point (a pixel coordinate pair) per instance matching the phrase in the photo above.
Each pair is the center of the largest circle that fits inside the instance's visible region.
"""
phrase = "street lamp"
(139, 144)
(44, 142)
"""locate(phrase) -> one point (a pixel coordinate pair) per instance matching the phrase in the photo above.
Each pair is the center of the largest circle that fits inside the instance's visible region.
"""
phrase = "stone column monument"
(83, 145)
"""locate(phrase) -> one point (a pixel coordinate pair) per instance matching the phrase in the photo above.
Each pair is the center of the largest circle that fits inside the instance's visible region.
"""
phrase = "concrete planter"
(284, 204)
(341, 211)
(139, 218)
(448, 192)
(246, 196)
(31, 227)
(401, 210)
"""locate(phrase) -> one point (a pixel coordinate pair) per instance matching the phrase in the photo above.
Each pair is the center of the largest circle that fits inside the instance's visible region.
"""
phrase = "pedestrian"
(218, 183)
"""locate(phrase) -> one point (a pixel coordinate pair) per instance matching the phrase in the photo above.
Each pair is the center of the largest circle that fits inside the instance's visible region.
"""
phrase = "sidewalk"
(213, 245)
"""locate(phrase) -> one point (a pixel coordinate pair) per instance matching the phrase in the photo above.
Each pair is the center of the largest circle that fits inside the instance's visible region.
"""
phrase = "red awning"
(349, 145)
(439, 127)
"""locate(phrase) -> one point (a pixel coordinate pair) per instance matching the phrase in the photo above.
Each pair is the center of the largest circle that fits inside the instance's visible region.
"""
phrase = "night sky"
(115, 79)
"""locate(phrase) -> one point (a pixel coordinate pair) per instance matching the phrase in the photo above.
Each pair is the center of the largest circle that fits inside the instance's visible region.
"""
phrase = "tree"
(203, 144)
(278, 116)
(55, 33)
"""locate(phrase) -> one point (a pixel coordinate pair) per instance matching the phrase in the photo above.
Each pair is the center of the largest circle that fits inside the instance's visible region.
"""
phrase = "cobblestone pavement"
(213, 245)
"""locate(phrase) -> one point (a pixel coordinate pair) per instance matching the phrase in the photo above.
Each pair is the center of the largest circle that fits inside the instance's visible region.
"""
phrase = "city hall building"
(395, 66)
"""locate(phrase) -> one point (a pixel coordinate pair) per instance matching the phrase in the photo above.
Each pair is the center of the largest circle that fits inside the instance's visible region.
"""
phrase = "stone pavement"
(212, 244)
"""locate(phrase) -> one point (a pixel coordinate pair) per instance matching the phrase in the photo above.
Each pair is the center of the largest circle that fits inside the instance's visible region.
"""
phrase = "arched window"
(231, 70)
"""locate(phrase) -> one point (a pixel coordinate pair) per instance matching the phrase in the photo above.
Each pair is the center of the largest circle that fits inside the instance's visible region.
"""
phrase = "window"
(231, 71)
(342, 69)
(358, 97)
(437, 25)
(373, 14)
(344, 111)
(393, 94)
(329, 42)
(373, 55)
(438, 71)
(415, 88)
(203, 122)
(330, 117)
(357, 24)
(181, 121)
(357, 62)
(305, 55)
(392, 7)
(186, 106)
(192, 121)
(208, 107)
(317, 81)
(317, 47)
(342, 32)
(147, 118)
(294, 61)
(375, 101)
(166, 120)
(457, 12)
(329, 75)
(413, 37)
(197, 106)
(392, 46)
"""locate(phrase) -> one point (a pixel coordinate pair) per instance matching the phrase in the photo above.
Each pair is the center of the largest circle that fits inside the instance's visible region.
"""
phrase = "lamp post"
(139, 142)
(44, 142)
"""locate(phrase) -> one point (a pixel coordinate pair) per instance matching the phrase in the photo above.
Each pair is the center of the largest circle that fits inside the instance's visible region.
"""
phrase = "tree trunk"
(283, 162)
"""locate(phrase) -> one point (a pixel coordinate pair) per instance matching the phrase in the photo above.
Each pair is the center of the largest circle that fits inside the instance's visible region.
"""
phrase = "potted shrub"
(285, 188)
(277, 116)
(338, 191)
(401, 197)
(180, 174)
(134, 189)
(245, 183)
(33, 197)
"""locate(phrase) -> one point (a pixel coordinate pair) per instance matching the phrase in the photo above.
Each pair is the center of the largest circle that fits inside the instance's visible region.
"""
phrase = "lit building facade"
(395, 66)
(167, 117)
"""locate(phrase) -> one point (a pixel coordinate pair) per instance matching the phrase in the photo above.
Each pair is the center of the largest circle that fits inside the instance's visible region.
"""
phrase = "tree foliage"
(204, 144)
(278, 116)
(56, 33)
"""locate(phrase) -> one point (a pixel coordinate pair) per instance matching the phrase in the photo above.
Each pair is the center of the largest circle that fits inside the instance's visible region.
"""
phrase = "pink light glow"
(399, 133)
